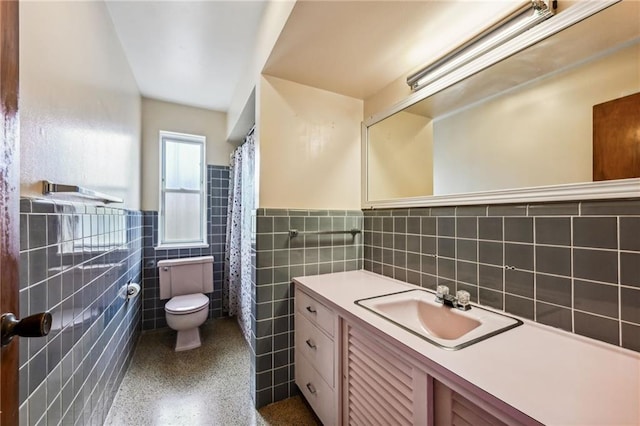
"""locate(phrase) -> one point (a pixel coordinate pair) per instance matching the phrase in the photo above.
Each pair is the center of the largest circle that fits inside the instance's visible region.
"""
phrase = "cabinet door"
(616, 141)
(379, 387)
(451, 408)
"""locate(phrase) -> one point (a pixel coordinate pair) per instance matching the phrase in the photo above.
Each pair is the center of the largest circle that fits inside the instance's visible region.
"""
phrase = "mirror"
(524, 122)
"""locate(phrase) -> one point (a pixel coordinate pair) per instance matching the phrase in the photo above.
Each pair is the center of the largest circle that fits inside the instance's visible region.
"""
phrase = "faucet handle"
(441, 291)
(463, 297)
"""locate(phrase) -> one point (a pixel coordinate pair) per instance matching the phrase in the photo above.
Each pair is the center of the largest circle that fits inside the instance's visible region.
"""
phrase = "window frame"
(201, 141)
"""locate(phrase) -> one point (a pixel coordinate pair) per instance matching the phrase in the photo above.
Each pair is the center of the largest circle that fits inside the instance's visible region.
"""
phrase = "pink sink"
(418, 312)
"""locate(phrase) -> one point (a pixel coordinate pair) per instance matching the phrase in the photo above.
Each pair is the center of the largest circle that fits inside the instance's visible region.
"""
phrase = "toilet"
(184, 282)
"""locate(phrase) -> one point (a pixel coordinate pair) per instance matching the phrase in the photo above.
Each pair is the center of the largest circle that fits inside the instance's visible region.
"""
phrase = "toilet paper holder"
(129, 290)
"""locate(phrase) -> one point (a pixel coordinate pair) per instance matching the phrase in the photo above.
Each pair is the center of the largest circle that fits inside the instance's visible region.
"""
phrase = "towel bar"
(295, 232)
(56, 188)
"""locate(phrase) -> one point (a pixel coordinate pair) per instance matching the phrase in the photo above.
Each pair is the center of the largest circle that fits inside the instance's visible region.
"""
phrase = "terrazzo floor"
(204, 386)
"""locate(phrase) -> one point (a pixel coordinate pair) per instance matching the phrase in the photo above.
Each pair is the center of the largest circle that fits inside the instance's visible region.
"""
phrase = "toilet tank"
(188, 275)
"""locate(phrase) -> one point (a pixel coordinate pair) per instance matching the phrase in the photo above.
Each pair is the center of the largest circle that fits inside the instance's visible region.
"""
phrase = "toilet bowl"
(185, 314)
(185, 281)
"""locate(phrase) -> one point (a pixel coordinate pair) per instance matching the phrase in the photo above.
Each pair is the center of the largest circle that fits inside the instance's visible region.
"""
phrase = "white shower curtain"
(236, 291)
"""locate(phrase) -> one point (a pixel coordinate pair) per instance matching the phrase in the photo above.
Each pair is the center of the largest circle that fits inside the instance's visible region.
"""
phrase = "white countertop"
(555, 377)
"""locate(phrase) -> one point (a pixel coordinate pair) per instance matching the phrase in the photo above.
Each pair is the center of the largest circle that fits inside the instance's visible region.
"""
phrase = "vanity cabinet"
(316, 356)
(352, 375)
(383, 385)
(383, 374)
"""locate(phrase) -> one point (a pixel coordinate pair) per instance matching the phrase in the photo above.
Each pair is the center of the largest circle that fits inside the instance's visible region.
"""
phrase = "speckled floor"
(204, 386)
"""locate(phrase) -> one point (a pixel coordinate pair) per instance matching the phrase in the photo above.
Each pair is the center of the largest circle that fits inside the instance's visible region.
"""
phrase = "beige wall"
(400, 157)
(159, 115)
(390, 95)
(538, 135)
(241, 113)
(308, 147)
(79, 102)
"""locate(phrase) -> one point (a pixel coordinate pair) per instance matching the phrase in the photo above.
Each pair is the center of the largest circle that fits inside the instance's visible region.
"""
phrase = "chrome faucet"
(459, 301)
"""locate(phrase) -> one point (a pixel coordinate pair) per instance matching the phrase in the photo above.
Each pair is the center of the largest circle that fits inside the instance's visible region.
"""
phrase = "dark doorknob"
(37, 325)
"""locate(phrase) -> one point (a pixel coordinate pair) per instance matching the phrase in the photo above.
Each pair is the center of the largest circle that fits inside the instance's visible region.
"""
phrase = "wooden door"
(616, 139)
(9, 203)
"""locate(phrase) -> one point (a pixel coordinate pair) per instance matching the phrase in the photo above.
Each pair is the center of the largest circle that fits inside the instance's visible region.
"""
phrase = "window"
(182, 190)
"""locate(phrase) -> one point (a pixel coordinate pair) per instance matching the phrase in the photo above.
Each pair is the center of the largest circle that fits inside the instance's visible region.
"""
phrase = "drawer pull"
(312, 310)
(311, 344)
(311, 388)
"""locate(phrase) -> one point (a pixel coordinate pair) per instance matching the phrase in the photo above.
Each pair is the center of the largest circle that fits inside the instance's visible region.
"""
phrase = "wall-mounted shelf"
(58, 188)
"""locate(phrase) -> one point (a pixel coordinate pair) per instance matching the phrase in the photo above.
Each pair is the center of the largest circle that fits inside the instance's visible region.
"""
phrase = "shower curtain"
(236, 291)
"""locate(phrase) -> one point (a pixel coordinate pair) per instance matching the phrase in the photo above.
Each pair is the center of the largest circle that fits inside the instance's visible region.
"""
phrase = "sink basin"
(417, 312)
(436, 319)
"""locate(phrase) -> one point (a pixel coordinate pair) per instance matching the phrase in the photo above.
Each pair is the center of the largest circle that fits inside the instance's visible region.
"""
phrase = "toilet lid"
(186, 304)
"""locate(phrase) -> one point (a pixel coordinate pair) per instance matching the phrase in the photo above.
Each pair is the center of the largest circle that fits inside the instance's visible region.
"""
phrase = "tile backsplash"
(575, 266)
(153, 315)
(74, 261)
(278, 258)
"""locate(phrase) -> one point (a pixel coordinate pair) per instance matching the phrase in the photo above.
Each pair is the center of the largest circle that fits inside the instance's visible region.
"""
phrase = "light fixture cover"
(518, 22)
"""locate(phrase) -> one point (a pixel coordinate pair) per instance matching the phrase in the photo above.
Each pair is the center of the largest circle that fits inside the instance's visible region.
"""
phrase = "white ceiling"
(187, 52)
(193, 52)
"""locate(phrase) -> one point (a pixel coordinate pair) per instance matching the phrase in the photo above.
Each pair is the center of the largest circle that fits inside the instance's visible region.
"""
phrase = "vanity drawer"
(315, 311)
(317, 392)
(314, 345)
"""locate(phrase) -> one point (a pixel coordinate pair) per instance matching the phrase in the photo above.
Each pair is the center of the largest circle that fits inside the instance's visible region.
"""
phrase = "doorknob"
(37, 325)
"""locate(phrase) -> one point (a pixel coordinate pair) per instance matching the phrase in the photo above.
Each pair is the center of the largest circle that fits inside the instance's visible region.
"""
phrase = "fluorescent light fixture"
(526, 17)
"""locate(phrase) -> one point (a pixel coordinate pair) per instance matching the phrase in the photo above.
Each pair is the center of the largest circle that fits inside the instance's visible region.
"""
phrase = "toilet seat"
(186, 304)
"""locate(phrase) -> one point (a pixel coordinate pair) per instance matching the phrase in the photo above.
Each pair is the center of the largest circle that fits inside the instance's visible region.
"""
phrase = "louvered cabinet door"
(451, 408)
(380, 388)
